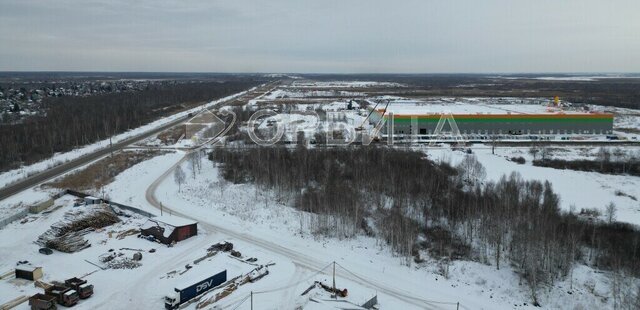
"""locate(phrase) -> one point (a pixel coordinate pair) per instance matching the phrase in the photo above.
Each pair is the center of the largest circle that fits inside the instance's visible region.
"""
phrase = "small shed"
(169, 229)
(28, 272)
(90, 200)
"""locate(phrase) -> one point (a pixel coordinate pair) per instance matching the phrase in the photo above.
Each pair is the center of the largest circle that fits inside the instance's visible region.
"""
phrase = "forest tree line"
(72, 122)
(416, 204)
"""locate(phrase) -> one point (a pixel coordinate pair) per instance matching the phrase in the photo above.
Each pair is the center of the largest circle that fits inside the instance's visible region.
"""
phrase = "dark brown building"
(169, 229)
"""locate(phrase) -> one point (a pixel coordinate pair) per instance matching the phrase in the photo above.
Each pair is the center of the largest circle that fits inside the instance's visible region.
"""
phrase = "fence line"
(111, 203)
(8, 220)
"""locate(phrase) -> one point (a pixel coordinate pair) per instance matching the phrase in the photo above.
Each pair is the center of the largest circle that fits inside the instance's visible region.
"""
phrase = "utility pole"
(251, 300)
(335, 293)
(161, 209)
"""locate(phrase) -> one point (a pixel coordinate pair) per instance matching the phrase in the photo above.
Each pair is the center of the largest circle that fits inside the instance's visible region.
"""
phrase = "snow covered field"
(301, 93)
(252, 212)
(263, 224)
(340, 84)
(476, 105)
(580, 189)
(247, 209)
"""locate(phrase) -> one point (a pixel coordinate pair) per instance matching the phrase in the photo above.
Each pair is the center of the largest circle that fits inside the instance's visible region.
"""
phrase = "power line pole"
(251, 300)
(335, 293)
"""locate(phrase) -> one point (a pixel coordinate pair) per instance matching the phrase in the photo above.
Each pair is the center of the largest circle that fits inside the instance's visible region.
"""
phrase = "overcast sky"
(344, 36)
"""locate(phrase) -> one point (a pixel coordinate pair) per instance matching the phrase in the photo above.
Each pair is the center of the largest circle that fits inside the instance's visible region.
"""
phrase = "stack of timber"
(68, 235)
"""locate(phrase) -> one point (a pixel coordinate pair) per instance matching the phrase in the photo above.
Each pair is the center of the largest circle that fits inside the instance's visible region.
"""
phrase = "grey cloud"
(321, 36)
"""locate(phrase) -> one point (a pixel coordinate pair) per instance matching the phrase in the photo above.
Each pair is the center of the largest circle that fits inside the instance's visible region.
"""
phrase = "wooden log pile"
(68, 235)
(68, 242)
(14, 302)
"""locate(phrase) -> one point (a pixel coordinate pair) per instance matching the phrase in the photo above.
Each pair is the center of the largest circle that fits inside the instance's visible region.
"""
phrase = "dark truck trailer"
(187, 292)
(63, 294)
(80, 286)
(42, 302)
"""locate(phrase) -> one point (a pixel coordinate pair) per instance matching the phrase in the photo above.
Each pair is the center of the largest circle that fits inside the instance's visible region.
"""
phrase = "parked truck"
(84, 290)
(188, 291)
(64, 295)
(42, 302)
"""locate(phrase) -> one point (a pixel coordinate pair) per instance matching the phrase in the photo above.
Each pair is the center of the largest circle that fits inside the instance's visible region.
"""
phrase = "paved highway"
(49, 174)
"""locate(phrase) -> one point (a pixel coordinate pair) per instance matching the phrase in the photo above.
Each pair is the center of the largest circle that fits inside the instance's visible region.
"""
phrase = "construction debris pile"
(226, 246)
(119, 260)
(68, 235)
(334, 291)
(124, 263)
(233, 284)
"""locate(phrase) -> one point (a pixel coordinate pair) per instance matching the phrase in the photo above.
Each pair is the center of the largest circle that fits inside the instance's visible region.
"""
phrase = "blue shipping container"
(186, 293)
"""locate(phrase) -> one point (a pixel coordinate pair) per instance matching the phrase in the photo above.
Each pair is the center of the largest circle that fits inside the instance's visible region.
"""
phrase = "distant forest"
(415, 204)
(617, 92)
(71, 122)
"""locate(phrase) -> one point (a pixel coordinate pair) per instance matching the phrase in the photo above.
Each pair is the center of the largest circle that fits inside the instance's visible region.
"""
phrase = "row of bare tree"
(409, 198)
(75, 121)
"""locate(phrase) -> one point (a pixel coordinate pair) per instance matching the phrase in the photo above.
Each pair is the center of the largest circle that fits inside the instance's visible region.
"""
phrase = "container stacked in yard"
(42, 302)
(187, 292)
(84, 290)
(64, 295)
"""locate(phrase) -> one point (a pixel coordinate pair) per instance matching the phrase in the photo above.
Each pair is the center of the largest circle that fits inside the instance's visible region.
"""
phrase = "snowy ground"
(311, 123)
(576, 188)
(338, 84)
(247, 209)
(257, 221)
(626, 122)
(145, 285)
(301, 93)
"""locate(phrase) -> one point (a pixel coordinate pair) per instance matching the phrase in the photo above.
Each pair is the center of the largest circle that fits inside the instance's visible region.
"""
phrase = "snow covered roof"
(27, 268)
(414, 107)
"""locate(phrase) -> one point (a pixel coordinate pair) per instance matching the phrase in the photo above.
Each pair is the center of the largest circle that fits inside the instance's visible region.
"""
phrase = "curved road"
(296, 257)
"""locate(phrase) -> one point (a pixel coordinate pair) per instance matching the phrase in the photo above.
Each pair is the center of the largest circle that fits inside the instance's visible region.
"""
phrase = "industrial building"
(169, 229)
(491, 120)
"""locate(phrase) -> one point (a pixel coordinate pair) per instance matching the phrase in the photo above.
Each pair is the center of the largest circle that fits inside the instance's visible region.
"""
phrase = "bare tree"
(533, 151)
(604, 156)
(179, 177)
(610, 212)
(622, 157)
(471, 169)
(544, 153)
(72, 121)
(195, 161)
